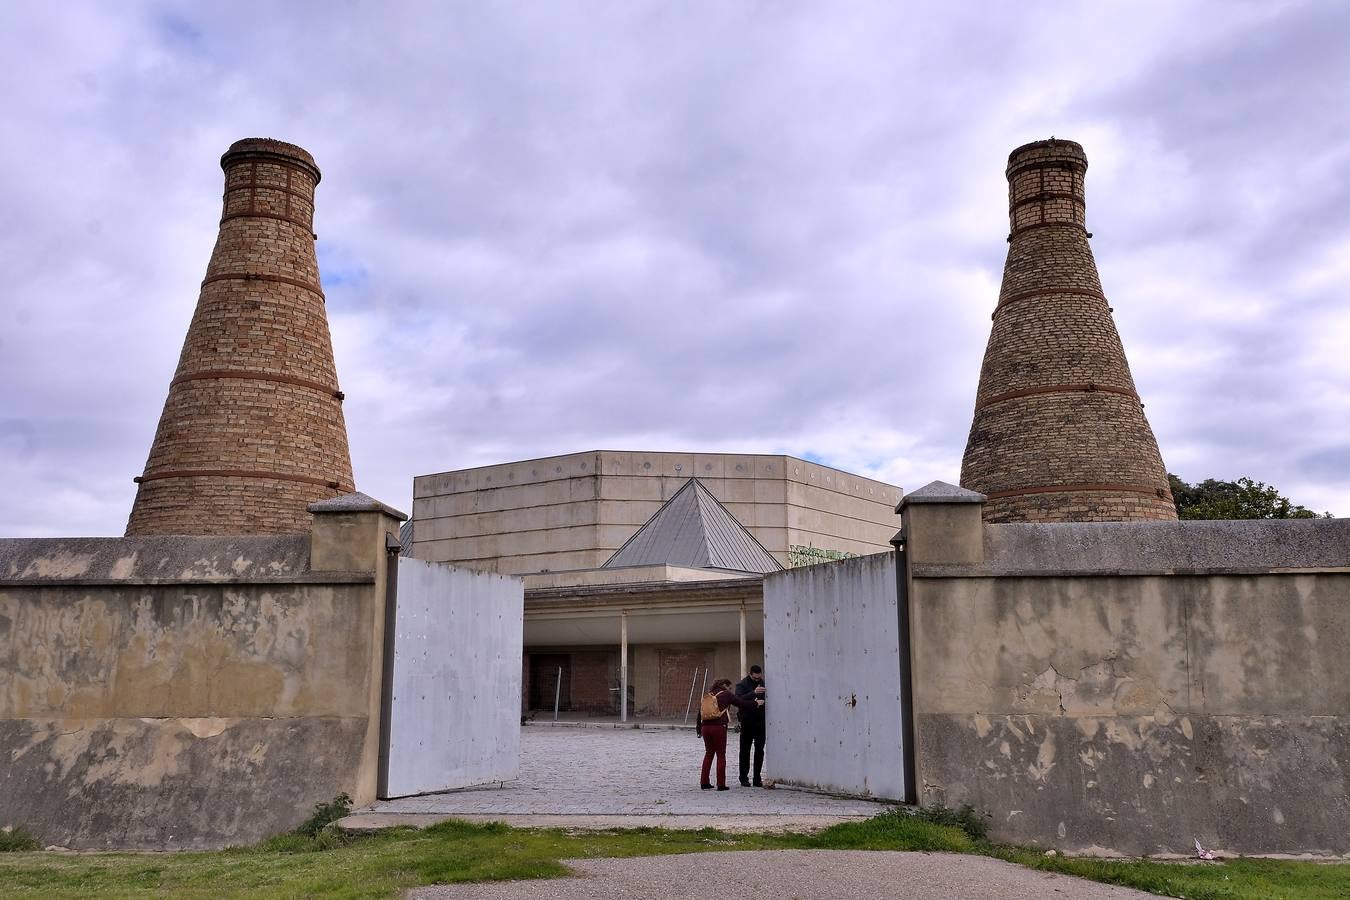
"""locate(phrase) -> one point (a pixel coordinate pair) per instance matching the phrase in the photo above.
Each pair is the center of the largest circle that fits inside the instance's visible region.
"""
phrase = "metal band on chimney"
(243, 473)
(253, 276)
(259, 376)
(1086, 388)
(1048, 292)
(1080, 488)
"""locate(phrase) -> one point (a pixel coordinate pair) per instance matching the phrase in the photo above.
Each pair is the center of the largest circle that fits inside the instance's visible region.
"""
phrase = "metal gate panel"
(455, 712)
(832, 670)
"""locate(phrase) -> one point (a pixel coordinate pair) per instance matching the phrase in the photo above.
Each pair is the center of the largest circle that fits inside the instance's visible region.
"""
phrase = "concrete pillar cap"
(939, 492)
(355, 502)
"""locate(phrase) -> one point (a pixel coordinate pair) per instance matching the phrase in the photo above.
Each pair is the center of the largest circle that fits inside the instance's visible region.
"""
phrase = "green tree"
(1241, 499)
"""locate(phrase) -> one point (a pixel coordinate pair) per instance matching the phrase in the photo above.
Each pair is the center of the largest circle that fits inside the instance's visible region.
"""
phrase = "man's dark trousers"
(752, 732)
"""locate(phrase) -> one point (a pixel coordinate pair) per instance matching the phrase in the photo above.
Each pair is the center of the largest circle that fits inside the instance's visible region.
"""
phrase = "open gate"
(452, 694)
(832, 657)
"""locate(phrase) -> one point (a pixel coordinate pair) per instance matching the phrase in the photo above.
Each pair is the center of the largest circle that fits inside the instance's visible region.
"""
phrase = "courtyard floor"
(607, 777)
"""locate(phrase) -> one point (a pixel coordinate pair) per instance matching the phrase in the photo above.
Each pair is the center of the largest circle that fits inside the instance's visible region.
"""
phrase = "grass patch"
(1236, 879)
(385, 864)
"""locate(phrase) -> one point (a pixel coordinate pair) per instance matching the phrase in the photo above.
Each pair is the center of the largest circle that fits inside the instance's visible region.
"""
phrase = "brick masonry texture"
(1056, 406)
(254, 405)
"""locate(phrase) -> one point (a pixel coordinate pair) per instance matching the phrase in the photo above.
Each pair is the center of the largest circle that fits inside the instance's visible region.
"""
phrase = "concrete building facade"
(619, 623)
(574, 511)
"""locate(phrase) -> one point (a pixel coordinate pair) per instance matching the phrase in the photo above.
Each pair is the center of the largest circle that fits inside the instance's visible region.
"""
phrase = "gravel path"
(792, 875)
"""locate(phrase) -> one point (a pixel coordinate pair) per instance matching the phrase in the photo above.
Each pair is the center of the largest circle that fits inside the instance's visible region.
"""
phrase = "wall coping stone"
(1265, 546)
(353, 503)
(153, 559)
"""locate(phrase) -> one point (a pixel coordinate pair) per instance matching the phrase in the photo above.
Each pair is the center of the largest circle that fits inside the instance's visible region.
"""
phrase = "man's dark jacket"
(750, 719)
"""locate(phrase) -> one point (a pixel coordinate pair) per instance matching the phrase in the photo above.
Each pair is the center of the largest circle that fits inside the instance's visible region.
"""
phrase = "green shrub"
(966, 818)
(325, 814)
(17, 839)
(895, 829)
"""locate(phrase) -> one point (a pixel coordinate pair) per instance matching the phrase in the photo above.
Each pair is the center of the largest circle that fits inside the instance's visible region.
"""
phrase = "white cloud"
(556, 227)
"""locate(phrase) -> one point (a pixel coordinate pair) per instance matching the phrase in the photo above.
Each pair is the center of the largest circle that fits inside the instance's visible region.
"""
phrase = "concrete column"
(623, 666)
(745, 662)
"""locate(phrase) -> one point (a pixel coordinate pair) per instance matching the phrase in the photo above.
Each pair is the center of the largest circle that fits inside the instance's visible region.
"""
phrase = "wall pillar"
(354, 533)
(940, 524)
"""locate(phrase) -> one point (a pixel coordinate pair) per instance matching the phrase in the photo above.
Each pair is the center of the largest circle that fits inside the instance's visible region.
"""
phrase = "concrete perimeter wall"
(1134, 687)
(188, 692)
(832, 665)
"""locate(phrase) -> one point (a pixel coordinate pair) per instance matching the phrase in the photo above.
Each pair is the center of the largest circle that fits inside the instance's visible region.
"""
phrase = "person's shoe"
(758, 783)
(723, 787)
(745, 782)
(706, 787)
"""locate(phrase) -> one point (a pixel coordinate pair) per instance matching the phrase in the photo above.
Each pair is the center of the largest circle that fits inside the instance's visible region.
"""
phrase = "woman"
(712, 727)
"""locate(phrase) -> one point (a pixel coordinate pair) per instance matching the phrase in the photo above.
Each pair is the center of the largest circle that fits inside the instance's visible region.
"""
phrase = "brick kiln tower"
(252, 430)
(1059, 434)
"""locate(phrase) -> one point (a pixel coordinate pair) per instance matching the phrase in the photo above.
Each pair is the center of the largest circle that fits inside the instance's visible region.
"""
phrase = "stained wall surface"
(574, 511)
(1135, 687)
(182, 692)
(831, 647)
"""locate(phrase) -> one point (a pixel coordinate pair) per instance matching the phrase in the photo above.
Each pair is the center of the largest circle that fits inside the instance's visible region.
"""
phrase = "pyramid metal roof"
(694, 529)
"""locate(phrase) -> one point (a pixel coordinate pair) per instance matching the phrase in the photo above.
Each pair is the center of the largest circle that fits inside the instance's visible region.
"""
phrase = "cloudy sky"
(549, 227)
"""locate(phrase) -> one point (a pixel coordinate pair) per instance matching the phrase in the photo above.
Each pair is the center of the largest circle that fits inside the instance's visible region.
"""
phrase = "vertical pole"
(557, 693)
(623, 666)
(692, 684)
(745, 663)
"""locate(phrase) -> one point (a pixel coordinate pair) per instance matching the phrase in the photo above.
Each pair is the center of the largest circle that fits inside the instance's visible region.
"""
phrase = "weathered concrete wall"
(455, 717)
(185, 692)
(831, 647)
(1137, 686)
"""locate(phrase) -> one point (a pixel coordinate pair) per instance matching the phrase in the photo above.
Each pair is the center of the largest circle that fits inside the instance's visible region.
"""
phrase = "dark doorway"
(544, 669)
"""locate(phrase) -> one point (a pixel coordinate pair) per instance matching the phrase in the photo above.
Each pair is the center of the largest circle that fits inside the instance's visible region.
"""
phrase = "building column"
(745, 663)
(623, 666)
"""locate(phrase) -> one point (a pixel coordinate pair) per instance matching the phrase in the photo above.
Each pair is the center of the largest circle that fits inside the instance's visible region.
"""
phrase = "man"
(752, 724)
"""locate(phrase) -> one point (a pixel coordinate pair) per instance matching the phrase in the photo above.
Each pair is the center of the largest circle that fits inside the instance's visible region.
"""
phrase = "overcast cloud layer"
(549, 227)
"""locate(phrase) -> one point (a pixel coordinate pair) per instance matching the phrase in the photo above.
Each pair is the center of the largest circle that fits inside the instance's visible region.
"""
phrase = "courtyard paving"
(602, 777)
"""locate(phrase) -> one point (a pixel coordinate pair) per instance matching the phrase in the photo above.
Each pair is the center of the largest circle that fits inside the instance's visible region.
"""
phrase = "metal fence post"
(688, 706)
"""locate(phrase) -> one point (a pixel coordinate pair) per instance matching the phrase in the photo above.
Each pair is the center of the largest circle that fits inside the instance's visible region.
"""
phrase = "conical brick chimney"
(252, 430)
(1059, 433)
